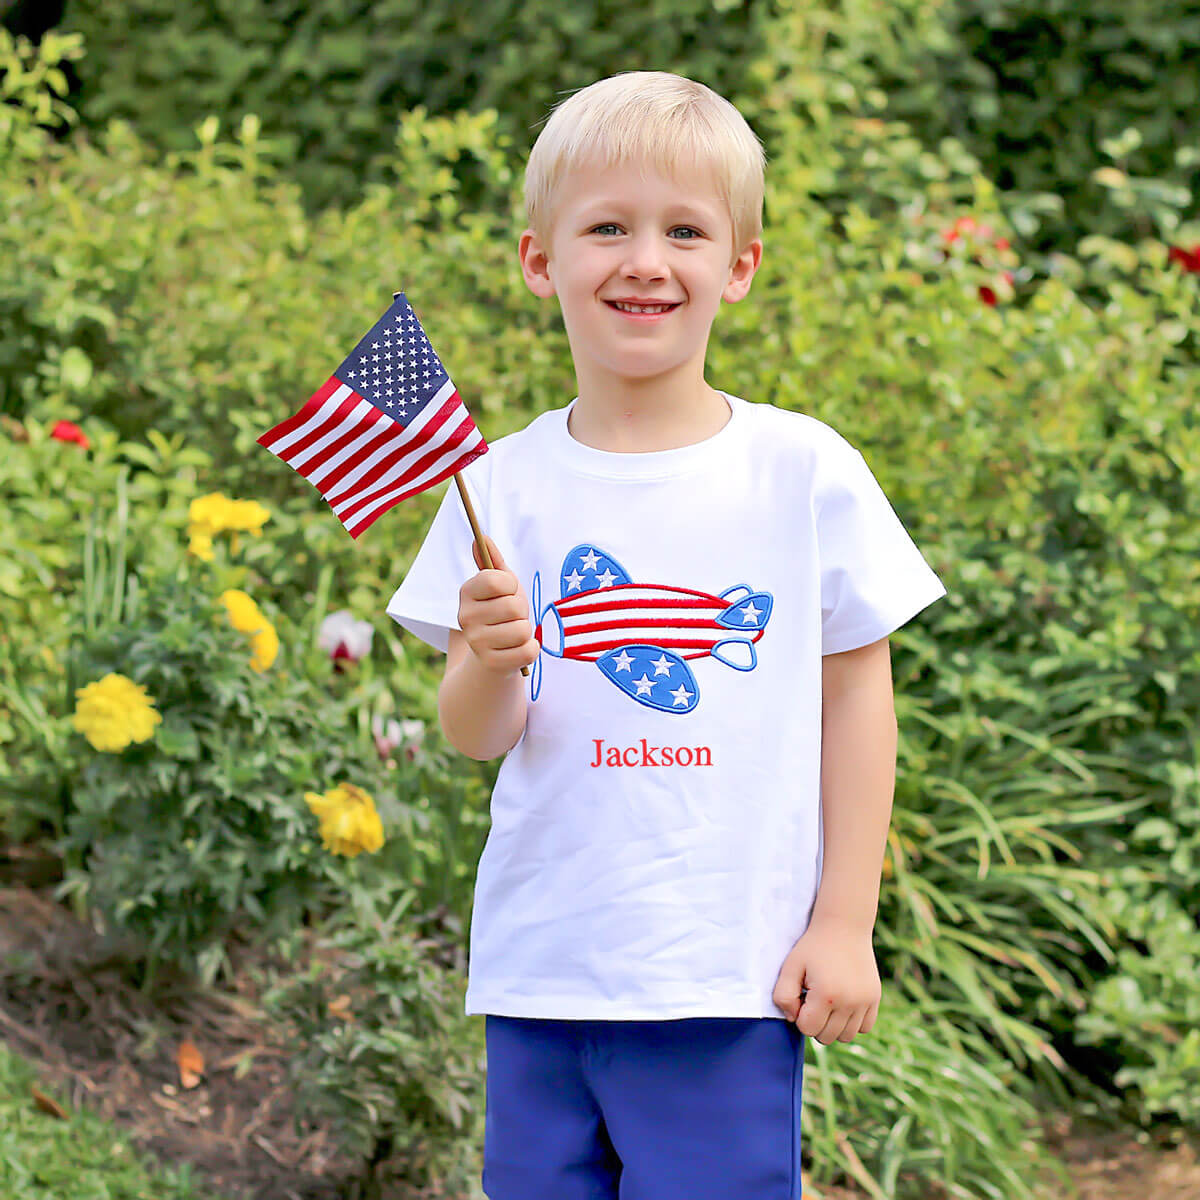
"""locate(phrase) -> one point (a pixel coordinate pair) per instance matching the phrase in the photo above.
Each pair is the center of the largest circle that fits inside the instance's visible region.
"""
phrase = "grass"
(81, 1158)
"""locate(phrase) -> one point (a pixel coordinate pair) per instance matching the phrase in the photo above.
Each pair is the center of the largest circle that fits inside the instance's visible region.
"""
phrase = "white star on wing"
(574, 579)
(750, 614)
(644, 685)
(623, 660)
(607, 579)
(589, 561)
(662, 666)
(682, 695)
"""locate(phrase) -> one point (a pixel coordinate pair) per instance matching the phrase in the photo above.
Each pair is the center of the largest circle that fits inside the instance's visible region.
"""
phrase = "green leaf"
(76, 369)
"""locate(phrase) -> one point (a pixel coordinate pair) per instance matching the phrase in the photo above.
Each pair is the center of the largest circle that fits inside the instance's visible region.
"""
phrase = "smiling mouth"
(622, 306)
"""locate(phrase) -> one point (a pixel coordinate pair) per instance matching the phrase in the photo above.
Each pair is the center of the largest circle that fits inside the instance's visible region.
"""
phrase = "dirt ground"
(101, 1045)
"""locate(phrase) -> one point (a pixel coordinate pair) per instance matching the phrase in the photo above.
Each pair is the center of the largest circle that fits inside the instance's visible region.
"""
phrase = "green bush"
(1079, 114)
(1050, 95)
(329, 80)
(203, 830)
(384, 1050)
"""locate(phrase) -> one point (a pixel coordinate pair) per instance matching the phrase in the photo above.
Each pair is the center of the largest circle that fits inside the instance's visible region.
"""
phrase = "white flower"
(341, 636)
(396, 733)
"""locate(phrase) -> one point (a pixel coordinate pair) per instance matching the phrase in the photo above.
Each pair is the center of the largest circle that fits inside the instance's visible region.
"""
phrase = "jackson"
(667, 756)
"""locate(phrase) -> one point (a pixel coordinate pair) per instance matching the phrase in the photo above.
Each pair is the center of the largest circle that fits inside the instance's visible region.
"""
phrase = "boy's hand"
(494, 616)
(835, 963)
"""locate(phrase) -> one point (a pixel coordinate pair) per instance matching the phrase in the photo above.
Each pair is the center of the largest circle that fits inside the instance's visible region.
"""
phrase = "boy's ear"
(535, 265)
(741, 272)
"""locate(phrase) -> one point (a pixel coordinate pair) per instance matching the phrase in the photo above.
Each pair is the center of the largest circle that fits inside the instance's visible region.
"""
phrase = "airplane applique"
(640, 634)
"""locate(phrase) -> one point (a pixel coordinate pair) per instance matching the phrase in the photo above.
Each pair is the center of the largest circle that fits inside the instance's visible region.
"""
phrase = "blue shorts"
(703, 1108)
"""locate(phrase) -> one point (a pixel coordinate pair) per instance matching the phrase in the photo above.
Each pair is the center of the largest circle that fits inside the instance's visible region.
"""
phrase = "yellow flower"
(264, 647)
(246, 515)
(349, 822)
(246, 617)
(216, 513)
(206, 514)
(114, 712)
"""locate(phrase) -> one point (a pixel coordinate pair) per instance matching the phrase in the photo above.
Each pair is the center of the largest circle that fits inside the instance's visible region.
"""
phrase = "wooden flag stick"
(483, 550)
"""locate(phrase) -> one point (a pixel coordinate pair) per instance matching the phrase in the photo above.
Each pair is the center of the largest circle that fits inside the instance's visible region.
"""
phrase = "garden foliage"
(1034, 422)
(383, 1050)
(1084, 112)
(329, 79)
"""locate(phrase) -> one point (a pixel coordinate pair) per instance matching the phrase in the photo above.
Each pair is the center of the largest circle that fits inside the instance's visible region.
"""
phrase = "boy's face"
(622, 235)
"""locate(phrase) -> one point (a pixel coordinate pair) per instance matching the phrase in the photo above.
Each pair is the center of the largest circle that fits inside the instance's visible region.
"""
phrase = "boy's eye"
(686, 233)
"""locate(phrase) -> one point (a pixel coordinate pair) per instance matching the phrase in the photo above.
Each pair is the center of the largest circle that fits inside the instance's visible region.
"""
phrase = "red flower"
(1189, 260)
(987, 295)
(961, 226)
(68, 431)
(975, 230)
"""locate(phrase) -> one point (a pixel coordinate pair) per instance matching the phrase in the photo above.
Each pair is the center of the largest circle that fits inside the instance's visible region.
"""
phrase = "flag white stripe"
(634, 591)
(628, 635)
(463, 448)
(321, 418)
(698, 612)
(368, 434)
(397, 473)
(402, 434)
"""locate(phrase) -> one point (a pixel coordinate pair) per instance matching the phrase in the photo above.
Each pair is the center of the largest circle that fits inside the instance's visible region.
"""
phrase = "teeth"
(642, 308)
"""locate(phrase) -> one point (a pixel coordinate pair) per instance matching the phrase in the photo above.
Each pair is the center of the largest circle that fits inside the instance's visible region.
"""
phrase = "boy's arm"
(858, 776)
(482, 712)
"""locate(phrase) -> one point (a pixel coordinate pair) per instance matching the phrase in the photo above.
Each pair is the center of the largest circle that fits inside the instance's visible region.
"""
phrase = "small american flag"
(388, 423)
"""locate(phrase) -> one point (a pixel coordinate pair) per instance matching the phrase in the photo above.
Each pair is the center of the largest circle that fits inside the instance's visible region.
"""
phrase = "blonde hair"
(653, 118)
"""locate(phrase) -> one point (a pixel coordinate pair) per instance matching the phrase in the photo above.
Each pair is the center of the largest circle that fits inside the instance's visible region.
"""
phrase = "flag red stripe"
(458, 465)
(294, 453)
(570, 606)
(311, 405)
(595, 651)
(414, 474)
(357, 472)
(407, 443)
(391, 434)
(353, 429)
(649, 623)
(387, 437)
(378, 473)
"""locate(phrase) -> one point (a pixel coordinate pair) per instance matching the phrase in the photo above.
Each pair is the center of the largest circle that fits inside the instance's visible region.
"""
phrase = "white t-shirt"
(655, 841)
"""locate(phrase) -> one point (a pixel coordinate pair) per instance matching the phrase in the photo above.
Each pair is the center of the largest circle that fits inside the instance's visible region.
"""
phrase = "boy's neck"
(638, 417)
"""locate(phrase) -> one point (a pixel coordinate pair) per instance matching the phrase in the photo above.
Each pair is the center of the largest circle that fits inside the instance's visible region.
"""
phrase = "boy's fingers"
(497, 558)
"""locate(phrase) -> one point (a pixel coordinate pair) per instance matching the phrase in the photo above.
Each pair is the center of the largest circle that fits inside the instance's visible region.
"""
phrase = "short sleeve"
(873, 577)
(426, 602)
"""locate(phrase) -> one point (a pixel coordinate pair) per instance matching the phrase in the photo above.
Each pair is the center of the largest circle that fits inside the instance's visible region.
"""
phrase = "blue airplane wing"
(585, 568)
(750, 612)
(653, 676)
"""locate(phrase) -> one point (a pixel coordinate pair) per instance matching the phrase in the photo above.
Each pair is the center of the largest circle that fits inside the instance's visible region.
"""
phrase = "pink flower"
(345, 638)
(68, 431)
(396, 733)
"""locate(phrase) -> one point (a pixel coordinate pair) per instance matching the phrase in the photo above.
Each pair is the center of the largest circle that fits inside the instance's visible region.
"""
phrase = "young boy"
(681, 876)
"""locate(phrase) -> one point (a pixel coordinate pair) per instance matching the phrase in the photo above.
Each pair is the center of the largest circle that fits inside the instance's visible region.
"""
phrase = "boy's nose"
(644, 261)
